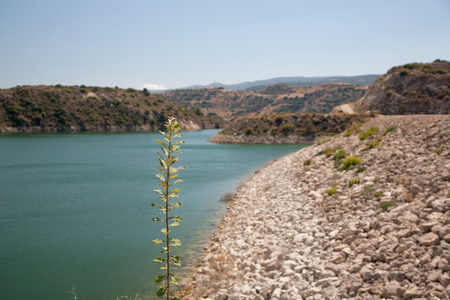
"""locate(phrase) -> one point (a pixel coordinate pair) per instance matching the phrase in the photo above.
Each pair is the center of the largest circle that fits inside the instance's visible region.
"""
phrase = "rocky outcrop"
(410, 89)
(305, 228)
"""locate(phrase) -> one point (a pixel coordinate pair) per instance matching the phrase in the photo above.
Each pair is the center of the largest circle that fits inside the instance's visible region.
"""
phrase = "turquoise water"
(75, 209)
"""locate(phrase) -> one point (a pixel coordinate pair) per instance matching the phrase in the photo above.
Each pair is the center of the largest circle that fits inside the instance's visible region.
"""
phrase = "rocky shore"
(304, 228)
(265, 139)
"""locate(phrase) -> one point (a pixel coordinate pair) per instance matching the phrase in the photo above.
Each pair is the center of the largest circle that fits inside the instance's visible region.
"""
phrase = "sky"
(168, 44)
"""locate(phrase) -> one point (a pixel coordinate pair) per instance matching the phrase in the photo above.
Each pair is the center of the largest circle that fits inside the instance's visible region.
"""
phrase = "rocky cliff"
(365, 215)
(410, 89)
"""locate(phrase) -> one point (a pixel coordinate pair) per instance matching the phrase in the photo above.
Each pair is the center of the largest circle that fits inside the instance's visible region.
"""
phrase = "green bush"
(352, 130)
(331, 191)
(361, 169)
(368, 133)
(404, 72)
(323, 141)
(386, 204)
(286, 129)
(378, 194)
(340, 155)
(372, 144)
(439, 150)
(350, 161)
(278, 120)
(351, 182)
(249, 131)
(308, 162)
(388, 130)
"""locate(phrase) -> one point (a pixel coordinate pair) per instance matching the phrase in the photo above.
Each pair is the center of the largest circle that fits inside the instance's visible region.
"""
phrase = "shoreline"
(267, 139)
(285, 237)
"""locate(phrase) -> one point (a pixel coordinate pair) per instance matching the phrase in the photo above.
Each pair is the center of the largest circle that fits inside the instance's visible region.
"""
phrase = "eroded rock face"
(410, 89)
(284, 237)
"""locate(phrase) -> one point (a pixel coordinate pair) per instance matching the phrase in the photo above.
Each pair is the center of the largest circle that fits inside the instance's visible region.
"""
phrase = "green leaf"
(158, 191)
(176, 218)
(173, 176)
(179, 142)
(176, 260)
(177, 135)
(175, 243)
(161, 169)
(157, 241)
(164, 231)
(162, 143)
(161, 292)
(174, 298)
(176, 181)
(157, 220)
(158, 278)
(161, 177)
(159, 260)
(174, 279)
(166, 153)
(174, 224)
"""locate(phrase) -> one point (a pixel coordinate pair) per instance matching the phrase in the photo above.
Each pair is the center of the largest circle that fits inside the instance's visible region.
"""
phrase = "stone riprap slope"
(284, 237)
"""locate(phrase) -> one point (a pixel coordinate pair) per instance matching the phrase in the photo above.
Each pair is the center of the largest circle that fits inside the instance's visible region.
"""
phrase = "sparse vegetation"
(386, 204)
(361, 169)
(378, 194)
(368, 133)
(331, 191)
(388, 130)
(340, 155)
(439, 150)
(372, 144)
(352, 182)
(308, 162)
(350, 161)
(352, 130)
(323, 141)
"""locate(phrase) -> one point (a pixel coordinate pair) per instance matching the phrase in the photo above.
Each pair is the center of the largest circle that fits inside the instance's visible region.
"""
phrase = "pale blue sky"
(177, 43)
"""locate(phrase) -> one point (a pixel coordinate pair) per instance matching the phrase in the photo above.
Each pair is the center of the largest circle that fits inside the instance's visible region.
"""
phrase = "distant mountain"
(294, 81)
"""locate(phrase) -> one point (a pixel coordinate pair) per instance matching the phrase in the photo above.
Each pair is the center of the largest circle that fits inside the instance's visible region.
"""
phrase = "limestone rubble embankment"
(284, 237)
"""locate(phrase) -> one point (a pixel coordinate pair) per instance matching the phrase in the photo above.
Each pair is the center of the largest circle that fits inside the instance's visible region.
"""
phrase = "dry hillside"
(280, 98)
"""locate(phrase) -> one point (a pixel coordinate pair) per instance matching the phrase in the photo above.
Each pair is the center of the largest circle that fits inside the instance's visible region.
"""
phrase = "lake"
(75, 209)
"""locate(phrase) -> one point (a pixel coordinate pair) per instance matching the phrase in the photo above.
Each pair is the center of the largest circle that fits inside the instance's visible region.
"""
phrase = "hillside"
(285, 128)
(318, 224)
(300, 81)
(230, 104)
(81, 108)
(414, 88)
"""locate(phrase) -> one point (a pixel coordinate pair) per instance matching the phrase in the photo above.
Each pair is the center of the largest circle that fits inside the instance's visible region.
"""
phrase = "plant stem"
(167, 222)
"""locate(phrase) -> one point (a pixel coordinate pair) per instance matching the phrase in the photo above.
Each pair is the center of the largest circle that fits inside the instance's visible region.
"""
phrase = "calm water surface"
(75, 209)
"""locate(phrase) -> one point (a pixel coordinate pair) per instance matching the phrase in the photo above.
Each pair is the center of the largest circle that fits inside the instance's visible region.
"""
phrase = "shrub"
(372, 144)
(331, 191)
(361, 169)
(340, 155)
(351, 182)
(352, 130)
(278, 120)
(368, 133)
(286, 129)
(249, 131)
(386, 204)
(350, 161)
(323, 141)
(378, 194)
(439, 150)
(308, 162)
(388, 130)
(168, 173)
(335, 184)
(367, 190)
(404, 72)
